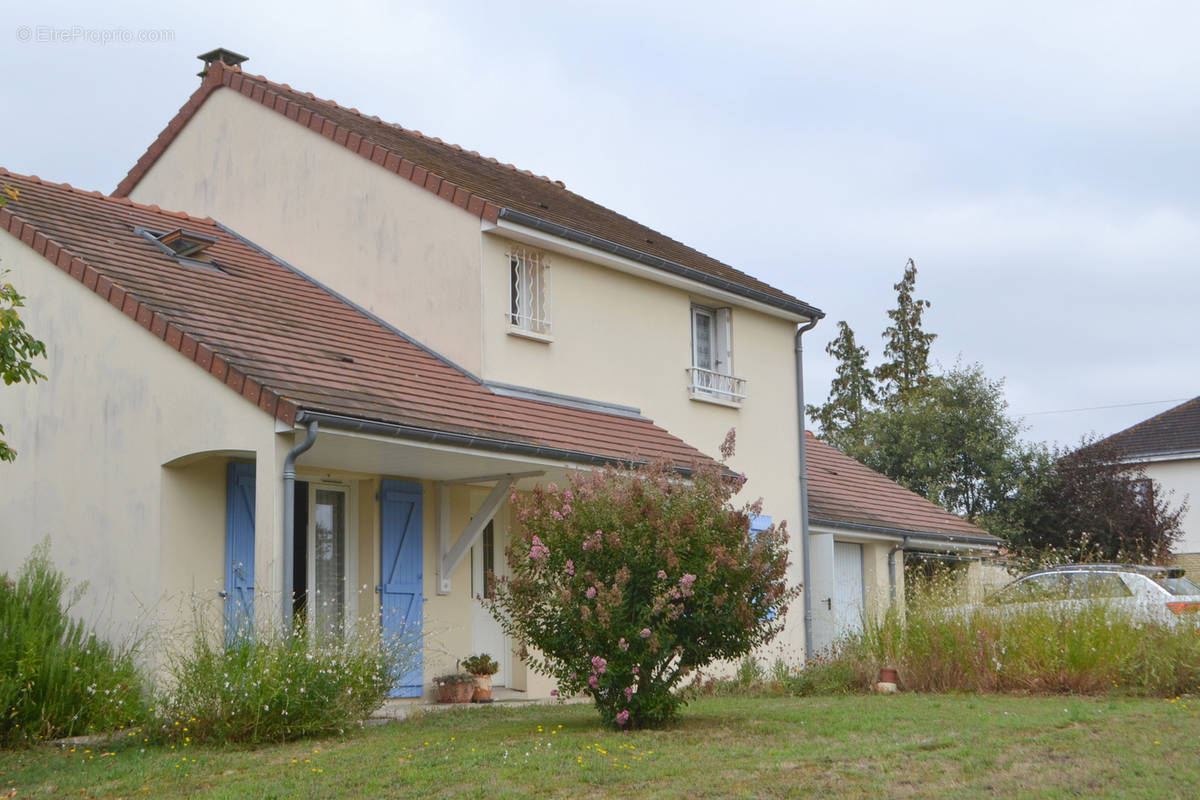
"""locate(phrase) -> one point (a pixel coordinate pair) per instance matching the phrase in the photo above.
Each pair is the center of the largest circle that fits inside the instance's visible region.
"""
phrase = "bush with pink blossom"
(627, 580)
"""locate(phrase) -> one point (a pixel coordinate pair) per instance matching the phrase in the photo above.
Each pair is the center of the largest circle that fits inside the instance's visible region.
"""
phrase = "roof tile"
(251, 324)
(842, 490)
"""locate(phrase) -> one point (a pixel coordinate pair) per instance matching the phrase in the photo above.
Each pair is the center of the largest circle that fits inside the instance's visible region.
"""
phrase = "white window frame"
(529, 292)
(350, 552)
(714, 382)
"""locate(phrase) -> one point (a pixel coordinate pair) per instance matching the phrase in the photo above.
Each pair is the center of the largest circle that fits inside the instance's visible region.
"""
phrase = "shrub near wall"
(628, 580)
(57, 678)
(270, 688)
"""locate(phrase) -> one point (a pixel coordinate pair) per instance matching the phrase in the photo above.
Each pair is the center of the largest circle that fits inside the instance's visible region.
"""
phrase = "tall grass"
(1087, 648)
(57, 678)
(271, 687)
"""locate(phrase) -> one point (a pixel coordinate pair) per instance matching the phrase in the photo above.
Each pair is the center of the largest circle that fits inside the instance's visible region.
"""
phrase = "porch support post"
(449, 557)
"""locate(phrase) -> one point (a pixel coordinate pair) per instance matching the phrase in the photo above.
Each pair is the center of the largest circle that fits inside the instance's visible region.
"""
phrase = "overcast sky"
(1037, 160)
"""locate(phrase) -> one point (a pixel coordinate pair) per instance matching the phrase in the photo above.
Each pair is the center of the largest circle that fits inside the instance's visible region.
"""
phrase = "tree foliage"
(18, 347)
(1088, 505)
(852, 392)
(907, 348)
(625, 581)
(950, 440)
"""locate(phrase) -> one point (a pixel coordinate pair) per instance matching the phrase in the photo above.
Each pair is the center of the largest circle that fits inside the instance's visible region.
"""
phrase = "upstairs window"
(711, 372)
(529, 291)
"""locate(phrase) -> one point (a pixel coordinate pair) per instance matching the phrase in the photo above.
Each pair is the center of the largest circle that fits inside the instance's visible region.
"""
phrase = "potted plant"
(483, 667)
(455, 687)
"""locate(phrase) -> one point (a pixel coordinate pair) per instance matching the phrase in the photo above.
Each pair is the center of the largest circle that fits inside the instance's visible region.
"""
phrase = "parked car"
(1149, 594)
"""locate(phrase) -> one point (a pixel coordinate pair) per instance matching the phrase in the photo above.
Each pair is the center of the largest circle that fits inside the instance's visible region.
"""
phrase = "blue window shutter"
(401, 573)
(759, 524)
(239, 551)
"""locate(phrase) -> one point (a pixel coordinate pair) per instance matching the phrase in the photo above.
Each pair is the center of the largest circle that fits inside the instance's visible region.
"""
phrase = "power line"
(1103, 408)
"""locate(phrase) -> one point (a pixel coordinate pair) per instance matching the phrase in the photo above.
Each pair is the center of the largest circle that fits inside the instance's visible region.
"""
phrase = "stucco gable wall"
(117, 405)
(394, 248)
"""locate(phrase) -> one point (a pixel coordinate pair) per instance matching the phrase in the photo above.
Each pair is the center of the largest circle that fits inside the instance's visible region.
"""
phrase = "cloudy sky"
(1037, 160)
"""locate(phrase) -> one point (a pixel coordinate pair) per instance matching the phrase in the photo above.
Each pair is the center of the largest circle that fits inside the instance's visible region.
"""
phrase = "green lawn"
(943, 746)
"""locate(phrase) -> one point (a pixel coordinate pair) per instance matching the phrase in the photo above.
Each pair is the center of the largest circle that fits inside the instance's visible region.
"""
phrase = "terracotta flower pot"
(455, 692)
(483, 688)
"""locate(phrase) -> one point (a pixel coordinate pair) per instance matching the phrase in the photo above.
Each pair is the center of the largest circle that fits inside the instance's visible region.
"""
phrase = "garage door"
(848, 601)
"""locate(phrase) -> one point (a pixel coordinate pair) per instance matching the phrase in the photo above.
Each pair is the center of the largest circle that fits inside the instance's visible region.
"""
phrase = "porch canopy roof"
(296, 348)
(846, 494)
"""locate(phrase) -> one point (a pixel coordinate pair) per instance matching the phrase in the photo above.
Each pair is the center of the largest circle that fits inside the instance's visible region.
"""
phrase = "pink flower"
(624, 645)
(566, 509)
(623, 718)
(570, 569)
(556, 515)
(687, 580)
(537, 549)
(569, 496)
(599, 664)
(591, 592)
(554, 692)
(645, 634)
(662, 574)
(594, 682)
(628, 693)
(636, 671)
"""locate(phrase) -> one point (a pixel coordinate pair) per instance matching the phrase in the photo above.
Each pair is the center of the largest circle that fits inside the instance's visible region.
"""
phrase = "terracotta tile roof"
(842, 490)
(482, 186)
(1176, 430)
(285, 343)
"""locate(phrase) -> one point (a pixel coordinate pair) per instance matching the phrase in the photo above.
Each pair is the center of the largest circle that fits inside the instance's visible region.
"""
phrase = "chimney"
(220, 54)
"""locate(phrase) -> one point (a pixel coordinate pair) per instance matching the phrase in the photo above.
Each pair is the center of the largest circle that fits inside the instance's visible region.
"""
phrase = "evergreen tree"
(907, 344)
(851, 394)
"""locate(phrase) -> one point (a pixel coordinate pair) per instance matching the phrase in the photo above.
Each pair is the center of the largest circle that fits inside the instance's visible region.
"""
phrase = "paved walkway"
(399, 708)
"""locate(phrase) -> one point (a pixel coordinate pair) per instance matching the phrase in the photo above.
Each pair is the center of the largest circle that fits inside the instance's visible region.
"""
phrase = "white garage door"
(848, 598)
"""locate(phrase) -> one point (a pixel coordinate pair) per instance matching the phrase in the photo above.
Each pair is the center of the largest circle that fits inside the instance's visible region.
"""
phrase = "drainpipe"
(289, 519)
(806, 562)
(892, 566)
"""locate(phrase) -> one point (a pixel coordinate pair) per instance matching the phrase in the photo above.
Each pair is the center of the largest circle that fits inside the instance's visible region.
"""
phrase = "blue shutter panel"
(239, 551)
(401, 574)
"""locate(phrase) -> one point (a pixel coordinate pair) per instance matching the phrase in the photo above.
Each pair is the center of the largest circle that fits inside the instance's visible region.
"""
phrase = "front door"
(330, 559)
(401, 575)
(487, 557)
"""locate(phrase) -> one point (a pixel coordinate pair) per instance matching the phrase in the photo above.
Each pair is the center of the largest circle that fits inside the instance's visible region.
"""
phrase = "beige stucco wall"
(1183, 478)
(386, 244)
(93, 439)
(622, 339)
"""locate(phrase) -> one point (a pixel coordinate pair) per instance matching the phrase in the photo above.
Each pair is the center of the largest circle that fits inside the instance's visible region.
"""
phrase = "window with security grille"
(529, 290)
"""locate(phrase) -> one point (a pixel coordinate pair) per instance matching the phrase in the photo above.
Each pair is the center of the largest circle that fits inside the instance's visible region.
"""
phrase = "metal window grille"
(726, 387)
(529, 290)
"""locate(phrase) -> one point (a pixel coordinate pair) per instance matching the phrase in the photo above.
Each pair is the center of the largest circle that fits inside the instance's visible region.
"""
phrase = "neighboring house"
(1167, 448)
(454, 327)
(861, 525)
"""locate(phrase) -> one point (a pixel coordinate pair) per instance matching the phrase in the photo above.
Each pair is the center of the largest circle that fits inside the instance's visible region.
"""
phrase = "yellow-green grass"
(909, 745)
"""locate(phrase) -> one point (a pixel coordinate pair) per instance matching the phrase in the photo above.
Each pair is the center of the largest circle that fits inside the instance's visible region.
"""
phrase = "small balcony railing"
(706, 382)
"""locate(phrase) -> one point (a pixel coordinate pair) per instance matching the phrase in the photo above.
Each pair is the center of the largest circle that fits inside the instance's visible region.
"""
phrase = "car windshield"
(1178, 586)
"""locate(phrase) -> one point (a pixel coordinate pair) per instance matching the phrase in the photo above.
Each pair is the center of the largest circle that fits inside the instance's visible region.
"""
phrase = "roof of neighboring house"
(482, 186)
(288, 344)
(845, 493)
(1176, 430)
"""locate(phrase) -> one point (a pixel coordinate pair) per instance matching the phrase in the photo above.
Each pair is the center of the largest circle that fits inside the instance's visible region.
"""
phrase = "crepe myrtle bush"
(626, 580)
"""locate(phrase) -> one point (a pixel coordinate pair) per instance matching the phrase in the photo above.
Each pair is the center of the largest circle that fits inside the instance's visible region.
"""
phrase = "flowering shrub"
(627, 580)
(56, 677)
(270, 687)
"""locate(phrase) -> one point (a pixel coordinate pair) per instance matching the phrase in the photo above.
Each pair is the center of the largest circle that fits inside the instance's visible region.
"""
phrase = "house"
(1167, 448)
(410, 331)
(862, 524)
(189, 368)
